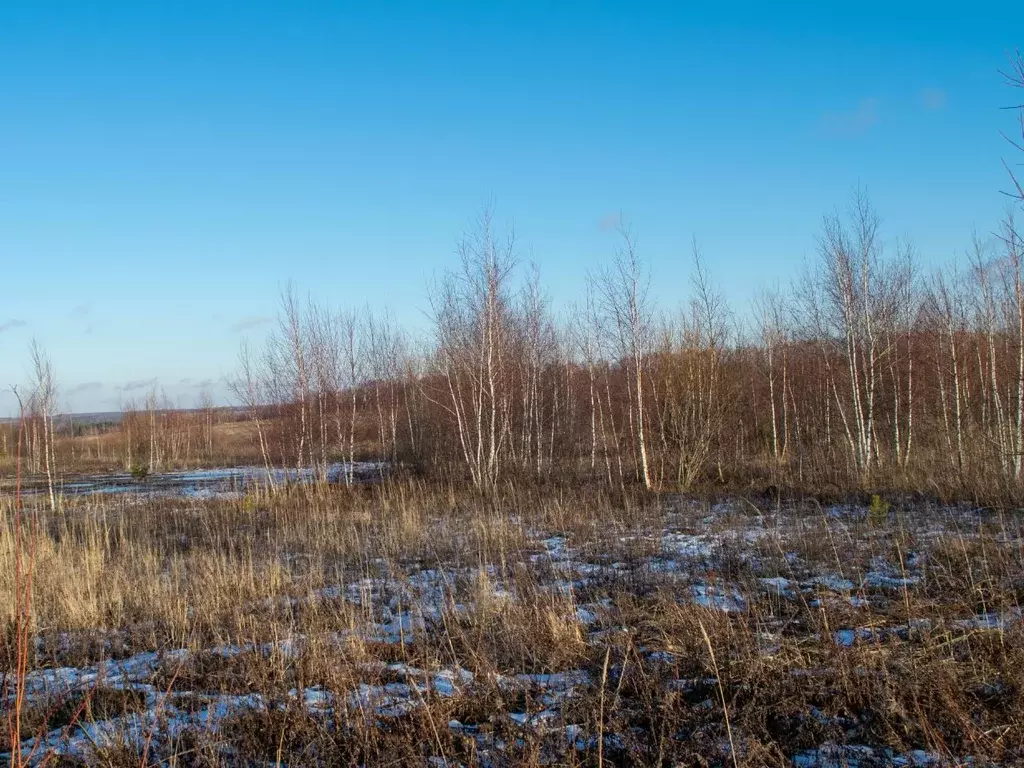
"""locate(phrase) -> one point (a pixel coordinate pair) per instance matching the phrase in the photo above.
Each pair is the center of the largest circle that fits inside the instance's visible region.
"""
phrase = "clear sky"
(165, 167)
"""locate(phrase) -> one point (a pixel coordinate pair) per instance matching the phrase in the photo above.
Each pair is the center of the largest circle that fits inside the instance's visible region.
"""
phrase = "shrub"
(878, 511)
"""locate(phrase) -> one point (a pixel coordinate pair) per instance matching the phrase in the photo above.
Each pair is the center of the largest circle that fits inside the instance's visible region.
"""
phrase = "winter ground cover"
(402, 624)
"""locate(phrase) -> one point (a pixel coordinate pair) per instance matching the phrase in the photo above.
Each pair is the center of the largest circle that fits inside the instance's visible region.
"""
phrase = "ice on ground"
(992, 620)
(555, 681)
(585, 616)
(884, 581)
(833, 582)
(524, 719)
(859, 756)
(687, 545)
(779, 584)
(556, 548)
(722, 599)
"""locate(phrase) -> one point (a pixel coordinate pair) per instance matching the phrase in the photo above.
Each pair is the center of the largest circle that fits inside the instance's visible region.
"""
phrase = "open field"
(708, 450)
(101, 450)
(414, 624)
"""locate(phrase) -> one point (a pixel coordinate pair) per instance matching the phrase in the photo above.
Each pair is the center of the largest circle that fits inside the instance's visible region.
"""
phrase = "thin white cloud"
(8, 325)
(138, 384)
(250, 322)
(610, 221)
(853, 122)
(932, 99)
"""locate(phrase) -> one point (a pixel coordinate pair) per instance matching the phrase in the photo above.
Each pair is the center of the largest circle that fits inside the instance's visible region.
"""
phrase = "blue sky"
(166, 167)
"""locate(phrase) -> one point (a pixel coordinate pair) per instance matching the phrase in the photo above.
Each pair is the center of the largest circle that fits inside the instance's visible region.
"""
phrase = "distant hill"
(88, 419)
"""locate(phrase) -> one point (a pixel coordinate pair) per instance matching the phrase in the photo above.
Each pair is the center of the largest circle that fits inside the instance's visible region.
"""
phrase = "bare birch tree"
(44, 405)
(471, 320)
(625, 289)
(248, 389)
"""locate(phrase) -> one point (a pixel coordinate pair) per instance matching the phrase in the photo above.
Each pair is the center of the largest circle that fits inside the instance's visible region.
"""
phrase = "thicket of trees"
(155, 435)
(145, 437)
(865, 371)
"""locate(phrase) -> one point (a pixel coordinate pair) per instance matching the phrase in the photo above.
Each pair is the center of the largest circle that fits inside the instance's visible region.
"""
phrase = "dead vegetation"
(410, 623)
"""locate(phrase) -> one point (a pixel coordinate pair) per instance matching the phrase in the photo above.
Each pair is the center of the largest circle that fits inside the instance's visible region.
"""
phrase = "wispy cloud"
(80, 311)
(138, 384)
(853, 122)
(932, 99)
(85, 386)
(610, 221)
(251, 321)
(12, 323)
(188, 381)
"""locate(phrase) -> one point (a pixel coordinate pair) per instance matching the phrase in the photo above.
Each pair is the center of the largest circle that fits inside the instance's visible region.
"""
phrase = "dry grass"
(407, 622)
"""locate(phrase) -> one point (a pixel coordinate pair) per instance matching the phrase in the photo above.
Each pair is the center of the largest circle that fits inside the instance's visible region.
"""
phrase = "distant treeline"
(865, 371)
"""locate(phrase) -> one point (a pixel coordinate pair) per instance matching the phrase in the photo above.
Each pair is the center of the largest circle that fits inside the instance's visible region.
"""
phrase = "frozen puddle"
(227, 482)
